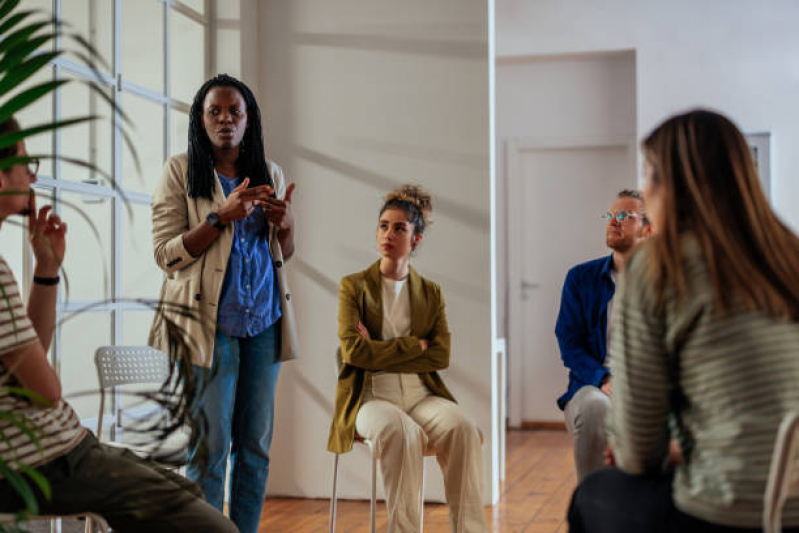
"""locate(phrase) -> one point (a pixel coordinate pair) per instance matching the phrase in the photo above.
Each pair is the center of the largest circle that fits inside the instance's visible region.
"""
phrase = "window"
(153, 59)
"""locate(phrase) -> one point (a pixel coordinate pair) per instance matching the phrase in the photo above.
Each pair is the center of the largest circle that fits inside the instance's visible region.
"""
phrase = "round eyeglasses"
(621, 216)
(33, 166)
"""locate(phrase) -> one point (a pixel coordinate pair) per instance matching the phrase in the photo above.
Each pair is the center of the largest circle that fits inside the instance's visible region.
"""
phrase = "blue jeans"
(238, 402)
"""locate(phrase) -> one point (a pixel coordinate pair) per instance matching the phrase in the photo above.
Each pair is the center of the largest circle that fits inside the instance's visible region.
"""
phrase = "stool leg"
(333, 498)
(373, 506)
(421, 502)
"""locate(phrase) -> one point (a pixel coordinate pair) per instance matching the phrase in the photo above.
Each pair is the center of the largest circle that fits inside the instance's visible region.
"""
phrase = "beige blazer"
(187, 306)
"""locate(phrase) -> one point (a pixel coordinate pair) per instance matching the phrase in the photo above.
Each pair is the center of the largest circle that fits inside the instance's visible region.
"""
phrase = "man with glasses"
(583, 330)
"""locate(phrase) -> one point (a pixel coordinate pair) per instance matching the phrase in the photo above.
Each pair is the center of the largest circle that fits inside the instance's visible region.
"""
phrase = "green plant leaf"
(14, 137)
(21, 486)
(23, 71)
(28, 46)
(15, 41)
(6, 6)
(37, 478)
(13, 20)
(27, 97)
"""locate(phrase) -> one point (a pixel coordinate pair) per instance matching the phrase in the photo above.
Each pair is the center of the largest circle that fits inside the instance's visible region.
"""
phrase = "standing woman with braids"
(222, 231)
(394, 338)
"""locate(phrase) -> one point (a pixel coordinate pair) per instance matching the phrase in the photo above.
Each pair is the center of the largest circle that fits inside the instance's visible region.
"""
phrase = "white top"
(396, 309)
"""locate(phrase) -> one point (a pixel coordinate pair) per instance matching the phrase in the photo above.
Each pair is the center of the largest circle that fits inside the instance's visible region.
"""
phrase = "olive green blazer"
(361, 299)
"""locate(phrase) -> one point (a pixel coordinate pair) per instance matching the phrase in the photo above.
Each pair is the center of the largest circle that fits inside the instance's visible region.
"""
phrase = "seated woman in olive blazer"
(394, 338)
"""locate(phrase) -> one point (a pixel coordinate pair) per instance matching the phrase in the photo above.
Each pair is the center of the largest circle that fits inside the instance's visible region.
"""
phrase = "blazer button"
(288, 296)
(197, 297)
(279, 264)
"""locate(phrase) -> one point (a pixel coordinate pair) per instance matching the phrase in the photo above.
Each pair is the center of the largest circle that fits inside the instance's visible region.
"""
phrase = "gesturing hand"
(241, 201)
(46, 234)
(279, 211)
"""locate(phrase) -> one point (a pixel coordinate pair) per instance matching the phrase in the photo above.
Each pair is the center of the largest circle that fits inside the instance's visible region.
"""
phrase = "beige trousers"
(400, 416)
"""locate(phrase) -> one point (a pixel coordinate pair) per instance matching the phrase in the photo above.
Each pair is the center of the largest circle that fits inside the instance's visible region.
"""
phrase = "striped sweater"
(726, 381)
(57, 429)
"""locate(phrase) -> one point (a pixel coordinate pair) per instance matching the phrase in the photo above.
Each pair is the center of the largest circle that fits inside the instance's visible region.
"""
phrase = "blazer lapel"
(418, 303)
(373, 302)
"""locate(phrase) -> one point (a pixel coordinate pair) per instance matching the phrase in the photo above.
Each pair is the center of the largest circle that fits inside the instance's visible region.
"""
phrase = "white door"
(557, 197)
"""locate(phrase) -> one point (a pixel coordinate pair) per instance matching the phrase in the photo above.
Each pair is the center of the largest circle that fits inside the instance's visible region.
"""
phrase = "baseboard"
(543, 424)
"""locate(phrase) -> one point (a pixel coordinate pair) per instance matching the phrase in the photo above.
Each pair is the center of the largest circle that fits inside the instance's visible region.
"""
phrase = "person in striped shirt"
(84, 475)
(705, 344)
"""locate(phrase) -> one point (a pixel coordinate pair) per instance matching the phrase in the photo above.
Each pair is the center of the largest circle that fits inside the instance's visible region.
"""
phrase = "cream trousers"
(400, 416)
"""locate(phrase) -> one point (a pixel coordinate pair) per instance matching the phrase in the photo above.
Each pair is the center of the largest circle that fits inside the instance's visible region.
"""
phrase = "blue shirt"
(250, 299)
(582, 324)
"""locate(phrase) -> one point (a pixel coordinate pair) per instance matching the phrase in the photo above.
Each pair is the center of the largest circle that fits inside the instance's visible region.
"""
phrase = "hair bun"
(414, 195)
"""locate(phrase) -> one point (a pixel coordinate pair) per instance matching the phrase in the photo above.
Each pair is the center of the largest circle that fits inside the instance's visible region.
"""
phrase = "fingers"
(289, 191)
(31, 209)
(243, 184)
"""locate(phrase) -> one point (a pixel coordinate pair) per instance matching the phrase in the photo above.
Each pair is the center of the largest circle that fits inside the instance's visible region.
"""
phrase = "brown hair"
(415, 202)
(710, 189)
(10, 125)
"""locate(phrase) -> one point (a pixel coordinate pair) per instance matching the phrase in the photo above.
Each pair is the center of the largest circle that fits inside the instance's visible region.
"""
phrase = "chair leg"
(421, 502)
(333, 498)
(373, 506)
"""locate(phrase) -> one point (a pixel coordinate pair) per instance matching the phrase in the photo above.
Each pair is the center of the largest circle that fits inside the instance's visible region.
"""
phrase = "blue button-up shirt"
(250, 300)
(582, 325)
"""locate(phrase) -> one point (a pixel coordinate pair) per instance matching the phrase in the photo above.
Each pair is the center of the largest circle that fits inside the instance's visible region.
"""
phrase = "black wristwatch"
(213, 220)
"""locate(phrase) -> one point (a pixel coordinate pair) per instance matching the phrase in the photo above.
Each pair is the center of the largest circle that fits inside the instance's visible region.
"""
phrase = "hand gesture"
(241, 201)
(46, 234)
(279, 211)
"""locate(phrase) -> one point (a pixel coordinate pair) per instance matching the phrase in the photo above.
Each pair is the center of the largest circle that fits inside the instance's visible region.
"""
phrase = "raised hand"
(241, 201)
(278, 212)
(47, 236)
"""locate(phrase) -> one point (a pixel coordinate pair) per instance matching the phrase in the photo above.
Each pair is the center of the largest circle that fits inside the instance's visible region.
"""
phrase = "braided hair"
(251, 161)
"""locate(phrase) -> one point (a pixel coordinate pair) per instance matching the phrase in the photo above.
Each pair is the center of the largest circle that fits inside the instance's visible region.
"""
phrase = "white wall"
(740, 57)
(564, 101)
(360, 96)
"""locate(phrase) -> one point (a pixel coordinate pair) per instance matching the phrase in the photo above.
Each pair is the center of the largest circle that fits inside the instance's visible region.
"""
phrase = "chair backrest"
(130, 365)
(127, 365)
(783, 479)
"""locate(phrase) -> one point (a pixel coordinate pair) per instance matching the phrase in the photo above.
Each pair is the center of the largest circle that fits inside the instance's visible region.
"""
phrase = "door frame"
(513, 152)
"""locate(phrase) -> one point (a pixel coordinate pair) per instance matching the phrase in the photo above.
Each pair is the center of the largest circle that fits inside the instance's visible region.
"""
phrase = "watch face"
(213, 220)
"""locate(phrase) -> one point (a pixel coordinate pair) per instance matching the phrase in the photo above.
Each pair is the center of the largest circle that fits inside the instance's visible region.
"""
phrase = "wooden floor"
(536, 492)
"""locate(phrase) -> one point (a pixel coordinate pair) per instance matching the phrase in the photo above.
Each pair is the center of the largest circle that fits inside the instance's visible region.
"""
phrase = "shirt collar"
(607, 267)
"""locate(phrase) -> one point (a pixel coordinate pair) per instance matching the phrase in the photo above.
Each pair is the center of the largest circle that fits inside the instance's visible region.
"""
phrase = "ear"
(415, 240)
(646, 231)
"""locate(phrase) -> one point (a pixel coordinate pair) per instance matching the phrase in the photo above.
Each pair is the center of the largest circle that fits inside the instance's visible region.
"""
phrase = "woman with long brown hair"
(705, 344)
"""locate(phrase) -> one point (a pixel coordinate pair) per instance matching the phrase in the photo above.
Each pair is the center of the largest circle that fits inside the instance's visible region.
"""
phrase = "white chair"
(783, 478)
(133, 365)
(91, 520)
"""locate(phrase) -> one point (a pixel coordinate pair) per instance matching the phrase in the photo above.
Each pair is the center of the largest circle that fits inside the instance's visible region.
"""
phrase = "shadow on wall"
(383, 43)
(324, 281)
(417, 152)
(467, 215)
